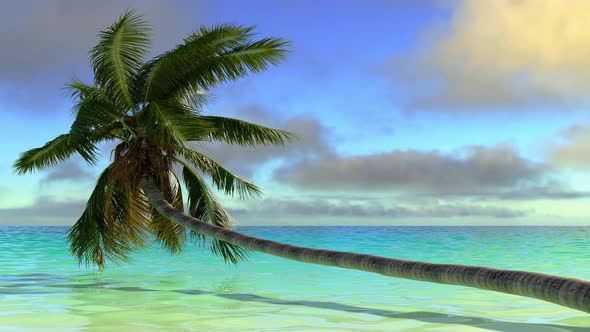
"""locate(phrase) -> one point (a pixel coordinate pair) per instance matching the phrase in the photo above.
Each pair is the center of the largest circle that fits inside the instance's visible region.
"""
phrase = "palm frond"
(154, 80)
(209, 57)
(113, 223)
(222, 178)
(96, 120)
(240, 61)
(234, 131)
(255, 56)
(250, 57)
(195, 100)
(138, 217)
(173, 123)
(221, 37)
(119, 55)
(202, 204)
(53, 152)
(79, 90)
(171, 235)
(229, 252)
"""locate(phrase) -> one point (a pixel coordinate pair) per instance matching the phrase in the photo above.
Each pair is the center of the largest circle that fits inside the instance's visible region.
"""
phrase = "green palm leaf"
(119, 55)
(174, 124)
(207, 58)
(154, 81)
(202, 204)
(79, 90)
(234, 131)
(250, 57)
(223, 179)
(53, 152)
(96, 119)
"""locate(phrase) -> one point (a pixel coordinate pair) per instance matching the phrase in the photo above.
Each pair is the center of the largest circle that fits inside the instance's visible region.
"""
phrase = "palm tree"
(153, 111)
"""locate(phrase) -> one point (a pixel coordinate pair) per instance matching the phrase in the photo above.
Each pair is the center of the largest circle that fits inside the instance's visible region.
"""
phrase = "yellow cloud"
(507, 53)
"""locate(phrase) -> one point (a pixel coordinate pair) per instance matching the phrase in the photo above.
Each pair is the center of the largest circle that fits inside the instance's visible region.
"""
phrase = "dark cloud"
(343, 208)
(45, 43)
(44, 211)
(475, 169)
(70, 170)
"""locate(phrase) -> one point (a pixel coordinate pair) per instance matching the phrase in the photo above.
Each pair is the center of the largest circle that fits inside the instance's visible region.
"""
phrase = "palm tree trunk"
(569, 292)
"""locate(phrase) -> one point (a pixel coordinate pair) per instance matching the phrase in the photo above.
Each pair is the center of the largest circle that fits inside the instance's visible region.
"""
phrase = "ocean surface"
(42, 288)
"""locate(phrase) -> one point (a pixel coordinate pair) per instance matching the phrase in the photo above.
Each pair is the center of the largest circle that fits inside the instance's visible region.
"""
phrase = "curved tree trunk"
(569, 292)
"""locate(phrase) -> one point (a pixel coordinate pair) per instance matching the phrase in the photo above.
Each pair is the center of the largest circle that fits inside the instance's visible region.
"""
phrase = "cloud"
(44, 211)
(69, 170)
(312, 163)
(502, 54)
(574, 152)
(360, 209)
(474, 169)
(45, 43)
(551, 190)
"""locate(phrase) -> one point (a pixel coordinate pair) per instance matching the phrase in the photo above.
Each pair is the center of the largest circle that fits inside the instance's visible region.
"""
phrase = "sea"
(43, 288)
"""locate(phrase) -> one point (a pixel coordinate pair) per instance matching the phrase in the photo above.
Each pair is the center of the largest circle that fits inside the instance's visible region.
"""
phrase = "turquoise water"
(43, 289)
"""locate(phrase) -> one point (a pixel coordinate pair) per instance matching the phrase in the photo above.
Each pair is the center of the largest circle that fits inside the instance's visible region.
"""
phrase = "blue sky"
(407, 112)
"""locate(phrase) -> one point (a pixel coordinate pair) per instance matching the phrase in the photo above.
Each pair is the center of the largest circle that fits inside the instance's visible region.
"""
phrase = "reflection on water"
(43, 289)
(57, 283)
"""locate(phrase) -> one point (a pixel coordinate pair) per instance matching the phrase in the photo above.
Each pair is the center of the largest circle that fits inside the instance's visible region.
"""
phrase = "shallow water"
(43, 289)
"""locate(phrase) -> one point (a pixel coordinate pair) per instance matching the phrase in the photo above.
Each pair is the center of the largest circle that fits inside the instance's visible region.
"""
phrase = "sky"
(407, 112)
